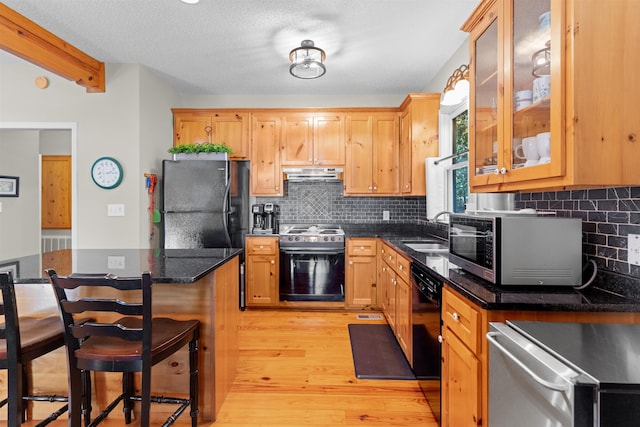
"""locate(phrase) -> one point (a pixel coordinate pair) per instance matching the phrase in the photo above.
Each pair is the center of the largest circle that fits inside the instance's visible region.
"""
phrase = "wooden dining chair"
(23, 339)
(133, 343)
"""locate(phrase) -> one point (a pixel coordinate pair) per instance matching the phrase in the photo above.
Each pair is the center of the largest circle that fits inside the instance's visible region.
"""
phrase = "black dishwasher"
(426, 305)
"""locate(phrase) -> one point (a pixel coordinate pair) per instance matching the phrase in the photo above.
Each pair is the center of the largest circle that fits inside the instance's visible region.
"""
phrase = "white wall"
(108, 124)
(20, 216)
(459, 57)
(292, 101)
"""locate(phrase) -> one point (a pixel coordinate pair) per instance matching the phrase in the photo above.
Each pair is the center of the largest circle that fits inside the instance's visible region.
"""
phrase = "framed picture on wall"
(9, 186)
(12, 267)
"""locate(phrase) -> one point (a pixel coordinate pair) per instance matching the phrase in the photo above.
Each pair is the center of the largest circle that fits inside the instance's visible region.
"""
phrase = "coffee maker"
(258, 219)
(271, 218)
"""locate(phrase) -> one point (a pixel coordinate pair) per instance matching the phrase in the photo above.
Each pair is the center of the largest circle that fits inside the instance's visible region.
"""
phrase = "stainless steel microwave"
(518, 250)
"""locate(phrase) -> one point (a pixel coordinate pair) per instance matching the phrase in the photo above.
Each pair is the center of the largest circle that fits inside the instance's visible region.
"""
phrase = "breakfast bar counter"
(200, 284)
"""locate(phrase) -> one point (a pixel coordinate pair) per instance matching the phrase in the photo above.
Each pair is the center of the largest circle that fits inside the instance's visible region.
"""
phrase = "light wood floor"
(296, 369)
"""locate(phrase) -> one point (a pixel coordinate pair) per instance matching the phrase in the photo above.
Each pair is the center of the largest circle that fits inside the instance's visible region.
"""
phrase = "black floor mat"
(376, 353)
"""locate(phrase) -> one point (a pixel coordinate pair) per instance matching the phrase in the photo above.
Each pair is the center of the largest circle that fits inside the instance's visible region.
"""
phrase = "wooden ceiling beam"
(29, 41)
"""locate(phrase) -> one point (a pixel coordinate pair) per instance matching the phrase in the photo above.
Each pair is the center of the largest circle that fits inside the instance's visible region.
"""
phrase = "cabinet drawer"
(389, 256)
(461, 319)
(402, 268)
(361, 247)
(262, 245)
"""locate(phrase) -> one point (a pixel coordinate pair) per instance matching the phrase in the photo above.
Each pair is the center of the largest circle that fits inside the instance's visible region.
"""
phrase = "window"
(458, 183)
(454, 134)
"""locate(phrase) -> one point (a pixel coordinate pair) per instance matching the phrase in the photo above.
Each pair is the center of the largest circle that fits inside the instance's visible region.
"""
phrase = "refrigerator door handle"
(227, 210)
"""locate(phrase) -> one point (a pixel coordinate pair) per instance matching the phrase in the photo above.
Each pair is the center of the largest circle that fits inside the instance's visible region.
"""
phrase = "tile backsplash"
(609, 215)
(323, 202)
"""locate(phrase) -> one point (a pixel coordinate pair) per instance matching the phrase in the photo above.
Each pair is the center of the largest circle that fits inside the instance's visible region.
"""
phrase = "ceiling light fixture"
(457, 87)
(307, 61)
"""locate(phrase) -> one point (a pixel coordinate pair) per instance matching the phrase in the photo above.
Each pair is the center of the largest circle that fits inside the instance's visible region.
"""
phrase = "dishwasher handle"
(491, 336)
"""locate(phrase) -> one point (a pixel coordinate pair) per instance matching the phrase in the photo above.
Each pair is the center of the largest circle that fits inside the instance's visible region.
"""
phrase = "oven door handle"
(312, 251)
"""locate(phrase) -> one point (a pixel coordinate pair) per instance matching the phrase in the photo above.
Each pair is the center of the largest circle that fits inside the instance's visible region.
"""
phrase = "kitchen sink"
(427, 246)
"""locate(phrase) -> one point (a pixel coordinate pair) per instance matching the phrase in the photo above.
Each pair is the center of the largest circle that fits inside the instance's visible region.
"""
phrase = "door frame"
(73, 127)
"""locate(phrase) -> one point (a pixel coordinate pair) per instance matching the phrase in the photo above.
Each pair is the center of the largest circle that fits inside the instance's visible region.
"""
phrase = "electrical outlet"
(115, 262)
(385, 215)
(633, 249)
(115, 210)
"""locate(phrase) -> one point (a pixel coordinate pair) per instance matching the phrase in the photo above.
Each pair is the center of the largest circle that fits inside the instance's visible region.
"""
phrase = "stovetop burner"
(317, 234)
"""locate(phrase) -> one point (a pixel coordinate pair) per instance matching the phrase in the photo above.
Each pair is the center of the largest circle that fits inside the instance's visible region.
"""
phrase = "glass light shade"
(457, 94)
(307, 61)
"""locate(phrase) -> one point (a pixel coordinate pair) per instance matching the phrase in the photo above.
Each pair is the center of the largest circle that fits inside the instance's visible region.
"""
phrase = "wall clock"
(107, 172)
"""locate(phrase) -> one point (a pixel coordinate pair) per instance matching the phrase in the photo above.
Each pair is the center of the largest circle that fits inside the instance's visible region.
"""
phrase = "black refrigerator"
(206, 205)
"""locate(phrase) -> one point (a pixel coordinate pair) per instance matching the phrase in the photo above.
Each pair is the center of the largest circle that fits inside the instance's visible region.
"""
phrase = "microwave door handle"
(491, 336)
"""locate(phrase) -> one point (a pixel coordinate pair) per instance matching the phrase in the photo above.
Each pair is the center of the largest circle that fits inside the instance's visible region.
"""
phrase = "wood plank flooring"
(296, 369)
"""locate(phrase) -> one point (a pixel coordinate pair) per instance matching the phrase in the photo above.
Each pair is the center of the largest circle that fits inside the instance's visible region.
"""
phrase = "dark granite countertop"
(610, 292)
(165, 265)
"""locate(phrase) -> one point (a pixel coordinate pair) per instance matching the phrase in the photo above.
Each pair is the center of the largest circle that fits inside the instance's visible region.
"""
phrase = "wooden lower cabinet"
(465, 352)
(361, 273)
(393, 276)
(262, 271)
(460, 386)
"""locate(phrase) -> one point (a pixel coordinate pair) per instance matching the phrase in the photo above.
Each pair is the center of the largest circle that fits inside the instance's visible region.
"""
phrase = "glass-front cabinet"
(554, 93)
(511, 66)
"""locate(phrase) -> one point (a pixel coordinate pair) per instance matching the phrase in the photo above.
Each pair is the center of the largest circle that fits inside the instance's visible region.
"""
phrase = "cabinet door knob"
(400, 268)
(273, 261)
(350, 262)
(440, 339)
(261, 246)
(455, 316)
(503, 171)
(362, 248)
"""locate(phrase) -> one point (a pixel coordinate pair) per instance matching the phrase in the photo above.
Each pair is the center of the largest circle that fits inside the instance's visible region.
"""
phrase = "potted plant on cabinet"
(203, 151)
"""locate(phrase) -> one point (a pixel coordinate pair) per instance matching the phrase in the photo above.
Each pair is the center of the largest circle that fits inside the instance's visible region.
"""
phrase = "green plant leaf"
(205, 147)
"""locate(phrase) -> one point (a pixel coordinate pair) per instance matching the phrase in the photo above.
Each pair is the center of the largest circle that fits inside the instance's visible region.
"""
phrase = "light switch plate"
(633, 249)
(115, 210)
(385, 215)
(115, 262)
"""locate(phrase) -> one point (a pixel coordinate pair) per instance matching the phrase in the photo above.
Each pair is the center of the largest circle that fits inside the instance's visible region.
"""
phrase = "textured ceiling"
(242, 46)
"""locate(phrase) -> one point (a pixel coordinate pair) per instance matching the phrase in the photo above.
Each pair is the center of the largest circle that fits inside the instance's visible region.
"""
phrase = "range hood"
(312, 174)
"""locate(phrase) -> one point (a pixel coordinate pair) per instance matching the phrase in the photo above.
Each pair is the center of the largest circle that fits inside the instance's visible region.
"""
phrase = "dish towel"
(436, 180)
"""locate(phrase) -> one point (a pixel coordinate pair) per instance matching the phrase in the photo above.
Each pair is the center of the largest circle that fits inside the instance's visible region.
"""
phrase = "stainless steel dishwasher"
(557, 374)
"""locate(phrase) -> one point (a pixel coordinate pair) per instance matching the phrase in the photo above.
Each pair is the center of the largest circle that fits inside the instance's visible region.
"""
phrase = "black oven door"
(311, 274)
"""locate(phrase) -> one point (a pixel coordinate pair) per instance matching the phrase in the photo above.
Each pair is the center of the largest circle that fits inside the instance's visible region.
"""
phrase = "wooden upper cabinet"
(594, 131)
(358, 171)
(56, 192)
(297, 139)
(199, 126)
(328, 148)
(386, 160)
(312, 139)
(418, 140)
(372, 155)
(266, 173)
(232, 129)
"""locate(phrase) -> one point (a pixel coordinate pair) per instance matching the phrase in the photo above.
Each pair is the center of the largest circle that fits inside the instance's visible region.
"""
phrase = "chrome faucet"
(438, 215)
